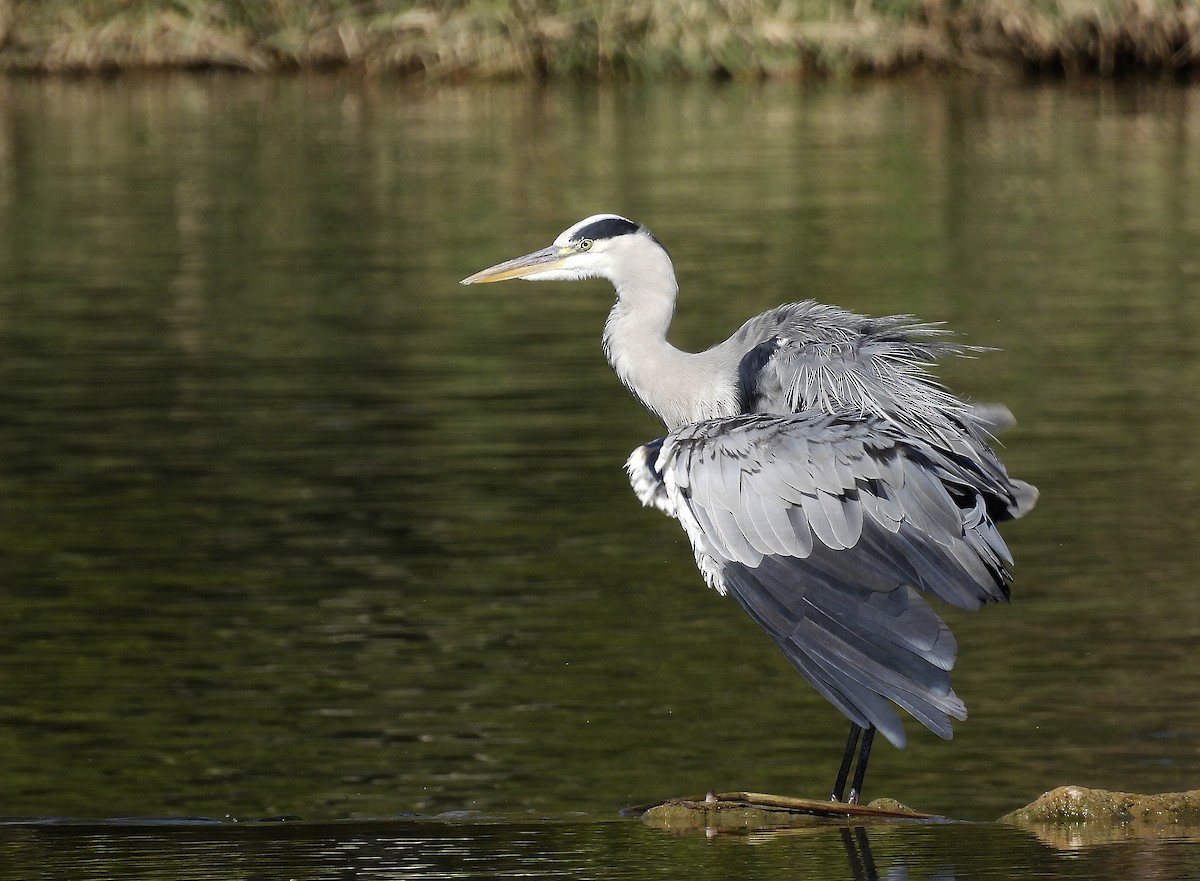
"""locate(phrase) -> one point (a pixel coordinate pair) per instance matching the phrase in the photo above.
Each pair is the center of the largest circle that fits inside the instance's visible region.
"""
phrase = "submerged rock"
(745, 811)
(1067, 817)
(1071, 816)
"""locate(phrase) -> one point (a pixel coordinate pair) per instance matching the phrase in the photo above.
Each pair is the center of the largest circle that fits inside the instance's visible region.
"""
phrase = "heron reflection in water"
(822, 475)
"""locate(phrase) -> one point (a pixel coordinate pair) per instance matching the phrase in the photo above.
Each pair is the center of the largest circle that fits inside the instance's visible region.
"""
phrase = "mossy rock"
(1073, 815)
(749, 811)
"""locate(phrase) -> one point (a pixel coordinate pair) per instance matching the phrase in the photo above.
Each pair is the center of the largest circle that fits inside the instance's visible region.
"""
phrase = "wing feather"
(770, 518)
(802, 531)
(814, 511)
(824, 528)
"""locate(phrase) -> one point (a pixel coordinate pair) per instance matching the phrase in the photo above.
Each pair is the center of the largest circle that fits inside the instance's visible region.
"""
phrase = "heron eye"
(585, 245)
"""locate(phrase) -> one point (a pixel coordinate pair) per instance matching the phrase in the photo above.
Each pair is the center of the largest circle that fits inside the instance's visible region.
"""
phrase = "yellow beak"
(539, 261)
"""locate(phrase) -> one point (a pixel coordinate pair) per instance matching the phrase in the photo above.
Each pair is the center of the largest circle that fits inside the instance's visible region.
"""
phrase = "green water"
(291, 524)
(568, 850)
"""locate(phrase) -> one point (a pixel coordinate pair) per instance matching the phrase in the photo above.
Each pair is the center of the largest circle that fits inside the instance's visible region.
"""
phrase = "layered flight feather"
(824, 528)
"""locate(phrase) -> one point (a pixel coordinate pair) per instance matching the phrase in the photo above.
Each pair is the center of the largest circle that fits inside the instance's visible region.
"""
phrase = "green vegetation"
(505, 38)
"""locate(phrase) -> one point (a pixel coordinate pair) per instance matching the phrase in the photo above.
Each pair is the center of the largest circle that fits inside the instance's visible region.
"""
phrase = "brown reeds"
(1084, 36)
(512, 38)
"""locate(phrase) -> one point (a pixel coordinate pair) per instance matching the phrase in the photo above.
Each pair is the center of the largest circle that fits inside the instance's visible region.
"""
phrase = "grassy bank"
(490, 38)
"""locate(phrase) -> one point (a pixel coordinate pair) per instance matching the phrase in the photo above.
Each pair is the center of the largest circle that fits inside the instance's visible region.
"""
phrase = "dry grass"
(494, 38)
(1076, 36)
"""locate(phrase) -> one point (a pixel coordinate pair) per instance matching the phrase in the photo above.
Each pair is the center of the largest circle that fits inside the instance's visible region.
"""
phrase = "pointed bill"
(539, 261)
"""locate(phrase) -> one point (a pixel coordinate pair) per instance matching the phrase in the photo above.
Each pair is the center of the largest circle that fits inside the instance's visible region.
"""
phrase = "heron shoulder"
(810, 356)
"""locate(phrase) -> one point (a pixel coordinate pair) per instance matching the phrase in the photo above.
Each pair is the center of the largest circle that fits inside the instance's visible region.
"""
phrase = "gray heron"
(824, 478)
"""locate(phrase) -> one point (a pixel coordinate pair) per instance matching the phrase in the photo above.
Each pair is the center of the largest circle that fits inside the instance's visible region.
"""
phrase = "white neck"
(664, 378)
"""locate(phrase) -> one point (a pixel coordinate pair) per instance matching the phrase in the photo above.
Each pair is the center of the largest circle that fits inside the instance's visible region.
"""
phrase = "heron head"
(591, 248)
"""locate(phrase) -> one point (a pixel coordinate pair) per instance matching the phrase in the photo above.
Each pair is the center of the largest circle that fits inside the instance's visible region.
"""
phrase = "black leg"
(860, 770)
(839, 786)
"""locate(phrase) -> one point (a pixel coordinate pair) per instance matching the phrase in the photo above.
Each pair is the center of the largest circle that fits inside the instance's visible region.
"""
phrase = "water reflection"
(293, 525)
(432, 849)
(858, 855)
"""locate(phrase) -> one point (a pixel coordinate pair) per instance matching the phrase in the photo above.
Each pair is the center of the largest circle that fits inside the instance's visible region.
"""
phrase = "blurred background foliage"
(600, 38)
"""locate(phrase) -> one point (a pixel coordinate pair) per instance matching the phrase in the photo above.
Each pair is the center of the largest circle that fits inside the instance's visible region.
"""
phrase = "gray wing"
(824, 529)
(812, 358)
